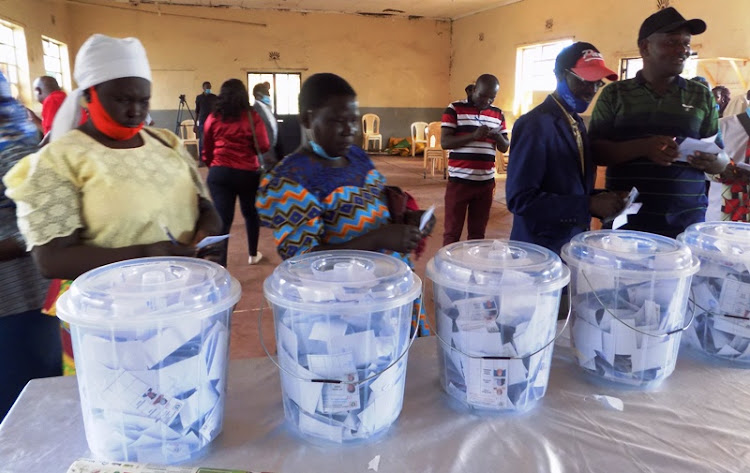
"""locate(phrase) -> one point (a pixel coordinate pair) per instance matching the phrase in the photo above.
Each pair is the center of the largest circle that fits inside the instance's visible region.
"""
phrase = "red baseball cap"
(585, 61)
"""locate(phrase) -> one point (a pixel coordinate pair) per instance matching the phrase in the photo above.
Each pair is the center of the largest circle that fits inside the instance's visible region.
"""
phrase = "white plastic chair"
(433, 152)
(186, 132)
(371, 130)
(418, 135)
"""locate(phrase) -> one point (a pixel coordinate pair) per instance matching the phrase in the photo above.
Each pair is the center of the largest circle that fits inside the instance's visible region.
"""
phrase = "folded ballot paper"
(337, 378)
(631, 208)
(621, 334)
(85, 465)
(156, 396)
(207, 241)
(721, 292)
(472, 339)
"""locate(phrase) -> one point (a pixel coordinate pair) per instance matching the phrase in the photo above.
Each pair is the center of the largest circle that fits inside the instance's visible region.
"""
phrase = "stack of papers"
(338, 352)
(634, 349)
(156, 395)
(721, 292)
(470, 323)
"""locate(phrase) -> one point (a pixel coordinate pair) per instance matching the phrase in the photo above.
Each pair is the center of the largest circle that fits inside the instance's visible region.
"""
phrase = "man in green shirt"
(637, 124)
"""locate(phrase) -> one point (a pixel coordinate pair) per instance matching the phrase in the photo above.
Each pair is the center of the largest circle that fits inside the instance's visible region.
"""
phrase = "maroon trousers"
(460, 198)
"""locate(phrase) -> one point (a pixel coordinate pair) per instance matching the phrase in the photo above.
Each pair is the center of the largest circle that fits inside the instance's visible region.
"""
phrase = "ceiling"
(441, 9)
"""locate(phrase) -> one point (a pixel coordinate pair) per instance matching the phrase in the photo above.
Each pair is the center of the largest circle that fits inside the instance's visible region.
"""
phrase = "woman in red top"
(229, 151)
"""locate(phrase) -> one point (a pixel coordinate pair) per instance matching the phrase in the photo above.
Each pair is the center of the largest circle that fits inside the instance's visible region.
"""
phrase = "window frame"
(689, 71)
(14, 72)
(64, 79)
(523, 98)
(255, 77)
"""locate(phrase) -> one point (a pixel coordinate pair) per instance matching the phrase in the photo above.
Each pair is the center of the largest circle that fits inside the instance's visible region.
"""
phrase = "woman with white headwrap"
(104, 191)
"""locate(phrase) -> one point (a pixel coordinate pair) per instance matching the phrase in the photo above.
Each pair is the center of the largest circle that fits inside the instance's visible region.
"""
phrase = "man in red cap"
(551, 173)
(637, 125)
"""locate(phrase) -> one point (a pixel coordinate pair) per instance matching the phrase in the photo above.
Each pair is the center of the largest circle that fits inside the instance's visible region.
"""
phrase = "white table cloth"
(698, 420)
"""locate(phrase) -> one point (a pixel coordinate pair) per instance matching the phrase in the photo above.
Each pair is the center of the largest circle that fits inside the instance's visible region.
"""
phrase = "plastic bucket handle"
(331, 381)
(712, 313)
(487, 357)
(655, 335)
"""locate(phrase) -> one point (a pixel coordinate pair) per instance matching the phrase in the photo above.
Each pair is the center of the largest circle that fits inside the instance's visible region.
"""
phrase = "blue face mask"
(207, 91)
(317, 149)
(265, 99)
(567, 95)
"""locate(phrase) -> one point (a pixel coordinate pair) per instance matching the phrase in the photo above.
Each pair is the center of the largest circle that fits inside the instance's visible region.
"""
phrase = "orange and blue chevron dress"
(308, 204)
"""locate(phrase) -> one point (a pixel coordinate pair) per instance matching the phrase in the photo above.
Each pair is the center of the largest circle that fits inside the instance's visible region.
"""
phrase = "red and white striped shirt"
(474, 161)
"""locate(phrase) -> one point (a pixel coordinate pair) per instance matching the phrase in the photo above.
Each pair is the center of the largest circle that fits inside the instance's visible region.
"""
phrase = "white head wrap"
(100, 59)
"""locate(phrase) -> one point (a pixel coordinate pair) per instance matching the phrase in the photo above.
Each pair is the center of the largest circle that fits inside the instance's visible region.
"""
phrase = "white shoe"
(255, 259)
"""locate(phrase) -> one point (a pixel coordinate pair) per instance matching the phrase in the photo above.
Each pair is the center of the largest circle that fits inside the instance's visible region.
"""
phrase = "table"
(698, 420)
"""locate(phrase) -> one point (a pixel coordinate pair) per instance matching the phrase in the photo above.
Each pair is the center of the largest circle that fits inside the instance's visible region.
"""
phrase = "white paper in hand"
(629, 200)
(631, 208)
(210, 240)
(426, 216)
(622, 219)
(690, 145)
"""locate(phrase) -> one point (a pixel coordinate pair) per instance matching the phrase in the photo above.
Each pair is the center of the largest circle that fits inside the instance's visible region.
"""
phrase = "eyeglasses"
(597, 85)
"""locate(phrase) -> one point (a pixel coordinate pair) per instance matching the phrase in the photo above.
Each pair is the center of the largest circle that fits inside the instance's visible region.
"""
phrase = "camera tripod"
(180, 108)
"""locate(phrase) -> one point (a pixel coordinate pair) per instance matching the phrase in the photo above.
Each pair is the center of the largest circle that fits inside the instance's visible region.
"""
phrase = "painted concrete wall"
(611, 25)
(37, 17)
(399, 67)
(405, 70)
(395, 64)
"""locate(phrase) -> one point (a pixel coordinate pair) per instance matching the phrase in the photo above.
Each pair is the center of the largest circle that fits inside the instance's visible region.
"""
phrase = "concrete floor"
(405, 172)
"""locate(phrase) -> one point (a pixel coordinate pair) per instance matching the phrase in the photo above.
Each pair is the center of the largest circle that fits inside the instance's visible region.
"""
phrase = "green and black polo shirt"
(673, 197)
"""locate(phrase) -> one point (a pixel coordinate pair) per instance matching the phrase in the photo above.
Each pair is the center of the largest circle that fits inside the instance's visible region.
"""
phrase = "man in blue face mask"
(550, 185)
(262, 95)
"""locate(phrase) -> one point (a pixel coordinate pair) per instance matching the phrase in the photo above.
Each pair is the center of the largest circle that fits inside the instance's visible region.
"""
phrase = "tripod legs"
(182, 106)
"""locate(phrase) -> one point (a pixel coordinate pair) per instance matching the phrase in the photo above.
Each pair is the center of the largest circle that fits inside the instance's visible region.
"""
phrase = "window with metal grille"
(55, 58)
(535, 77)
(10, 49)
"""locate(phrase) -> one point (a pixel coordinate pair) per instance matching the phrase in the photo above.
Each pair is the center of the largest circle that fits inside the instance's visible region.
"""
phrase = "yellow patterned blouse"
(118, 197)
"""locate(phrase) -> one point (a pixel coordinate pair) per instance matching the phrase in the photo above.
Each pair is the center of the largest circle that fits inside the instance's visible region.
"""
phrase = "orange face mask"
(106, 124)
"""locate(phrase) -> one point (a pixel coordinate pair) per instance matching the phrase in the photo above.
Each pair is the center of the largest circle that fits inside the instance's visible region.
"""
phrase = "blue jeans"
(30, 347)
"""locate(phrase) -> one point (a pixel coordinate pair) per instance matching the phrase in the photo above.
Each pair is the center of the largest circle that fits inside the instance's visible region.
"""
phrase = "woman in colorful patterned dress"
(328, 195)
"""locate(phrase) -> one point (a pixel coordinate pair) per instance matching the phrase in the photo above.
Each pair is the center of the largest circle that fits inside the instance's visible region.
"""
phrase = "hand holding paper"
(426, 217)
(631, 208)
(209, 240)
(606, 204)
(690, 146)
(660, 149)
(622, 219)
